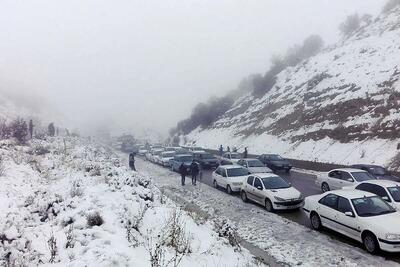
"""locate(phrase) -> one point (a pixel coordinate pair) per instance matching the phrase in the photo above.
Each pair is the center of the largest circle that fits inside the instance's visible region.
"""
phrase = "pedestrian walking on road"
(132, 161)
(235, 149)
(183, 172)
(194, 169)
(228, 149)
(221, 150)
(246, 153)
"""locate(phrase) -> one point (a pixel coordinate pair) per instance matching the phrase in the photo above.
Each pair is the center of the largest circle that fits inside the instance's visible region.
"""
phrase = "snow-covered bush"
(225, 229)
(94, 219)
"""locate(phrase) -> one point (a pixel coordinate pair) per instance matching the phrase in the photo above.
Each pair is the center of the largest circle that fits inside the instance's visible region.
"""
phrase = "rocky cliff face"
(340, 106)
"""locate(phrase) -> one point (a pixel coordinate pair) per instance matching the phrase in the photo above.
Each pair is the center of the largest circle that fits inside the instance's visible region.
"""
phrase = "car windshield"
(395, 193)
(371, 206)
(168, 155)
(235, 156)
(362, 176)
(377, 170)
(237, 172)
(185, 159)
(207, 156)
(275, 157)
(275, 182)
(255, 163)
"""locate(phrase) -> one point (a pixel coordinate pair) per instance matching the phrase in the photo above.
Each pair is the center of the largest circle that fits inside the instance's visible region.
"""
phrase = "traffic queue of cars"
(361, 202)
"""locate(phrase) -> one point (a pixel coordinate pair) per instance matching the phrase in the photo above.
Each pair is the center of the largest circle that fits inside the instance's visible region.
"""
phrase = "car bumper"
(289, 205)
(389, 246)
(236, 188)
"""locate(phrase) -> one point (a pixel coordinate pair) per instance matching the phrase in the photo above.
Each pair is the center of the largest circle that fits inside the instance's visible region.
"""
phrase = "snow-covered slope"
(67, 202)
(340, 106)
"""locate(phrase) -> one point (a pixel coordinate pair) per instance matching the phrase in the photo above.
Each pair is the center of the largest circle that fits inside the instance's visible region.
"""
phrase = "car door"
(334, 180)
(347, 224)
(218, 176)
(224, 178)
(328, 210)
(346, 179)
(258, 190)
(249, 188)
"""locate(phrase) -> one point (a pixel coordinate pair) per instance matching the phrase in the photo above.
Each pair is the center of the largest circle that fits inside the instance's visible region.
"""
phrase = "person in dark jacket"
(228, 149)
(183, 172)
(194, 169)
(221, 150)
(132, 161)
(246, 153)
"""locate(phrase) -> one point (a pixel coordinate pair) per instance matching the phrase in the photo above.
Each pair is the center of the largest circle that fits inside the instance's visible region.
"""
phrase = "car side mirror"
(349, 214)
(259, 187)
(350, 180)
(386, 198)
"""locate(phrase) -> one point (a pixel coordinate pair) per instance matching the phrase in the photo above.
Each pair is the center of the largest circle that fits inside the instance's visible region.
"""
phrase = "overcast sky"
(145, 64)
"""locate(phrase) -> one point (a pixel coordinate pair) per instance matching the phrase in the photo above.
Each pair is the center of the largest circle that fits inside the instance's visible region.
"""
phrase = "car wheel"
(215, 184)
(243, 196)
(315, 221)
(268, 205)
(370, 243)
(229, 190)
(325, 187)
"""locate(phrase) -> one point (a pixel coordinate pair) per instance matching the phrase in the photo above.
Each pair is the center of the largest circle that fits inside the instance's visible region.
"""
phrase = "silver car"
(254, 166)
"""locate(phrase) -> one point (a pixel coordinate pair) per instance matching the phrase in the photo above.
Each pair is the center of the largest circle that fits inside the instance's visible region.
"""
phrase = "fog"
(135, 65)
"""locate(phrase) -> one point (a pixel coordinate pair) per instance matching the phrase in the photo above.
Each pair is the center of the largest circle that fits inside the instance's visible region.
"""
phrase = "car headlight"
(280, 199)
(392, 236)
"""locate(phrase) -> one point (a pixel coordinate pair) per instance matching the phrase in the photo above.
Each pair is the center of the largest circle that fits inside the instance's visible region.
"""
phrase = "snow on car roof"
(384, 183)
(348, 170)
(351, 193)
(265, 175)
(228, 167)
(249, 159)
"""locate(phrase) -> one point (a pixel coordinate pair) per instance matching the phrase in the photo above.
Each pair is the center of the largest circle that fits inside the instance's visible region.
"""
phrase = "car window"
(344, 205)
(371, 206)
(330, 201)
(362, 176)
(255, 163)
(334, 174)
(395, 192)
(380, 191)
(250, 180)
(257, 183)
(275, 182)
(218, 171)
(223, 173)
(346, 176)
(235, 172)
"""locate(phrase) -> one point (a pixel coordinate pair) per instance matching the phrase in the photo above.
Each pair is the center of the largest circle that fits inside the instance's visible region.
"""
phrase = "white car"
(359, 215)
(166, 157)
(233, 157)
(230, 177)
(142, 151)
(155, 155)
(271, 191)
(339, 178)
(386, 189)
(254, 165)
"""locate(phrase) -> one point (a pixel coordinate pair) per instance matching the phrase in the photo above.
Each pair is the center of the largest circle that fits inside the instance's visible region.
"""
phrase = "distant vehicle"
(224, 162)
(253, 165)
(378, 171)
(206, 160)
(181, 151)
(271, 191)
(166, 157)
(357, 214)
(275, 162)
(234, 157)
(230, 177)
(386, 189)
(154, 155)
(142, 151)
(339, 178)
(197, 149)
(186, 159)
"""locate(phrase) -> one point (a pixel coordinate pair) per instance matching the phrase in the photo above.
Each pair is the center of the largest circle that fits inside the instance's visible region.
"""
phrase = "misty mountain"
(341, 105)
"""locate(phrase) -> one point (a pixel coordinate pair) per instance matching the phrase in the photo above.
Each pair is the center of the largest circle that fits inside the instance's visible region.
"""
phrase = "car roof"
(384, 183)
(351, 193)
(367, 165)
(231, 167)
(248, 159)
(265, 175)
(184, 155)
(348, 170)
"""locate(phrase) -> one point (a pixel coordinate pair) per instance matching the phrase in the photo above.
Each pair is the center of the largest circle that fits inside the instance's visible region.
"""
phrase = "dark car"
(377, 171)
(275, 162)
(206, 160)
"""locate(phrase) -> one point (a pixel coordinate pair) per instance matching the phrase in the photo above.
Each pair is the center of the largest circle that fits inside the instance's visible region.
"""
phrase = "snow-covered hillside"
(73, 203)
(340, 106)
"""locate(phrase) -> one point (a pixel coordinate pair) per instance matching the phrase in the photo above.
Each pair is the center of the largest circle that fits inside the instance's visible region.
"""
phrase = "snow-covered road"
(287, 242)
